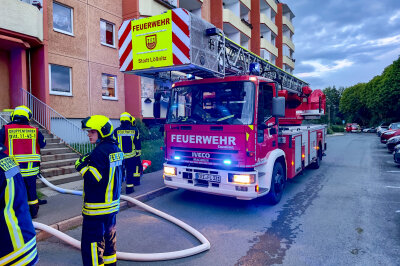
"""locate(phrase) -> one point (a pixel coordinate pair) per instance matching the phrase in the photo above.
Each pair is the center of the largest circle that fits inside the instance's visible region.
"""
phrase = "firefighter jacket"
(23, 142)
(18, 237)
(128, 140)
(102, 174)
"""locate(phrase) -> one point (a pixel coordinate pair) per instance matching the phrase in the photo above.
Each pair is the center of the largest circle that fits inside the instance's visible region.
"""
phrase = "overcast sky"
(344, 42)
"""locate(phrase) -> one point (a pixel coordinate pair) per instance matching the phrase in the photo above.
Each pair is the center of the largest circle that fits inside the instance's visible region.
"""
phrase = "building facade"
(65, 52)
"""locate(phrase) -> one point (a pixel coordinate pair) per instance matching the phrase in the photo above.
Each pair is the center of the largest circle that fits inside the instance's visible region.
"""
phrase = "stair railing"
(69, 132)
(3, 121)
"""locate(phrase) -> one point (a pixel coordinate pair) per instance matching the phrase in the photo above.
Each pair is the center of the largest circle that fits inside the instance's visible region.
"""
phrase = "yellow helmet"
(133, 121)
(21, 112)
(100, 123)
(125, 116)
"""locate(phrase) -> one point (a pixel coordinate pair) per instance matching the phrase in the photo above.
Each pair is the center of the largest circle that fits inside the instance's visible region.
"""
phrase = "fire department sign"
(151, 41)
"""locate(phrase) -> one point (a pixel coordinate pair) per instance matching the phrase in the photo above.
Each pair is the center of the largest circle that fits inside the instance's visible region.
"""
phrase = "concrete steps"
(58, 161)
(52, 151)
(59, 157)
(61, 179)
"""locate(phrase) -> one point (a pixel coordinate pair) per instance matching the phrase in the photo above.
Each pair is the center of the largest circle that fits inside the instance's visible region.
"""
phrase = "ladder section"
(180, 41)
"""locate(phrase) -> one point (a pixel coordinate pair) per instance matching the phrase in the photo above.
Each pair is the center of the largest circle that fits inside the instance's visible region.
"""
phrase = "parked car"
(348, 127)
(369, 130)
(396, 154)
(394, 130)
(392, 142)
(355, 128)
(382, 127)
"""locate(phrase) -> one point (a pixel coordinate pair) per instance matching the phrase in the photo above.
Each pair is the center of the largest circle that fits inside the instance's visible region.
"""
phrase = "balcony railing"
(56, 124)
(22, 17)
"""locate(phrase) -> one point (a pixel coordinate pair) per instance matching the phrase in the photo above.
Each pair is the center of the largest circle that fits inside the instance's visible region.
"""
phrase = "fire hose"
(205, 244)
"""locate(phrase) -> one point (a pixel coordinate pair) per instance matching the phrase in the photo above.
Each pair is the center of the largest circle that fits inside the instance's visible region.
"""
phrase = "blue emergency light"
(227, 162)
(255, 69)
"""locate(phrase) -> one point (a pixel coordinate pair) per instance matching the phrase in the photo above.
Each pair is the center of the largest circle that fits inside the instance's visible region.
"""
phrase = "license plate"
(209, 177)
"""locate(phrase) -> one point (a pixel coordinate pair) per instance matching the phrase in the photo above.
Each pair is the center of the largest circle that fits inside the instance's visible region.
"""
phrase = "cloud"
(342, 42)
(384, 41)
(321, 69)
(396, 16)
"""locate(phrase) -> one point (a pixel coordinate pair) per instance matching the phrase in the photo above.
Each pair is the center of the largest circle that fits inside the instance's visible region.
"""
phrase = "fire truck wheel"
(278, 183)
(317, 163)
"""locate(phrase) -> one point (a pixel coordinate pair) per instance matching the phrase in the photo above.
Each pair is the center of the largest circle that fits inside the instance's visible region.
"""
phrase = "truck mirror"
(262, 126)
(278, 106)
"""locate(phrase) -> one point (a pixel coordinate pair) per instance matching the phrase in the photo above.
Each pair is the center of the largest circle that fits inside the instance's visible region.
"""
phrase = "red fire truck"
(234, 127)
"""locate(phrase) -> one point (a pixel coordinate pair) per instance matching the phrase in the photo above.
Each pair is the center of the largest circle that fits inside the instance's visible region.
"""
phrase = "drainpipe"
(29, 71)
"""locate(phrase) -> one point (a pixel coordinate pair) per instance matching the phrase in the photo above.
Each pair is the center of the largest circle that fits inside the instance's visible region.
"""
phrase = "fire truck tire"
(278, 183)
(317, 163)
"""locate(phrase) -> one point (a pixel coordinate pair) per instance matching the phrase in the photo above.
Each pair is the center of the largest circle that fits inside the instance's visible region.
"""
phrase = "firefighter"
(18, 237)
(128, 139)
(102, 176)
(24, 143)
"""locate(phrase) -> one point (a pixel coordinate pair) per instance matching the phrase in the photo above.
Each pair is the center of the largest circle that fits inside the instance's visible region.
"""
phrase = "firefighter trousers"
(99, 240)
(133, 168)
(33, 202)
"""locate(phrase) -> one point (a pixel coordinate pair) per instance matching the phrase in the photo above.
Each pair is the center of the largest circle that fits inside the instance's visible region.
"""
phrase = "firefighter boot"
(42, 202)
(34, 209)
(130, 188)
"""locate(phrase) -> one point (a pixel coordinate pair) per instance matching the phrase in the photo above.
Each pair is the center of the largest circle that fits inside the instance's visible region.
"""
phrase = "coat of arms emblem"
(151, 41)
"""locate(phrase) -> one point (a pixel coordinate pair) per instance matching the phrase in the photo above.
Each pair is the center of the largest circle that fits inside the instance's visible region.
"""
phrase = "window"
(109, 86)
(62, 19)
(60, 80)
(107, 33)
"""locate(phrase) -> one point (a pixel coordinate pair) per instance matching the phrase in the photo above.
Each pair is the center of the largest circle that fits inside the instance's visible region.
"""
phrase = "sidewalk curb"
(77, 220)
(335, 134)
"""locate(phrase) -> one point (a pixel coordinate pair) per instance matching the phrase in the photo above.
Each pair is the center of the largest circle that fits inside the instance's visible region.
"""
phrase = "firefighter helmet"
(133, 121)
(126, 117)
(21, 112)
(100, 123)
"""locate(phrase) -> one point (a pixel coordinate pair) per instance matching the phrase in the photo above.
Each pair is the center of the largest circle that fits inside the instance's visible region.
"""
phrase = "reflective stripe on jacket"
(22, 141)
(102, 174)
(18, 237)
(128, 138)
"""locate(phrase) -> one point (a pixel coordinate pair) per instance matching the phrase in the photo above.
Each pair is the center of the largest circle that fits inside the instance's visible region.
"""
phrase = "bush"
(337, 128)
(151, 151)
(330, 131)
(152, 133)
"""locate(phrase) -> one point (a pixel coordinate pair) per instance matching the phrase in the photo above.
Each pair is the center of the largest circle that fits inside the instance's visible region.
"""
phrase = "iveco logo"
(201, 154)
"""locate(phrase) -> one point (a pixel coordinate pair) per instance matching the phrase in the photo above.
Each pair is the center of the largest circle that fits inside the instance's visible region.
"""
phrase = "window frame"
(72, 20)
(60, 93)
(115, 98)
(104, 43)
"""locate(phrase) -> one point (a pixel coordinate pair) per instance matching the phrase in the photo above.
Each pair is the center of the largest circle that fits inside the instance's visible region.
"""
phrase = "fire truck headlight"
(242, 179)
(227, 162)
(177, 157)
(168, 170)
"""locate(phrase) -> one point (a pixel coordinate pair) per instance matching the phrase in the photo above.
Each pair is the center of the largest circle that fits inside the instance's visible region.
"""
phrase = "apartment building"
(65, 52)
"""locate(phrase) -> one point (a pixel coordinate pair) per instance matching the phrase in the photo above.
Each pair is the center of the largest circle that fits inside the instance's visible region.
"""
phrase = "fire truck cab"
(222, 137)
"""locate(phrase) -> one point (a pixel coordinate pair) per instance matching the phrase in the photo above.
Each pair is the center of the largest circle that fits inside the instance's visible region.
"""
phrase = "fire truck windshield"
(213, 103)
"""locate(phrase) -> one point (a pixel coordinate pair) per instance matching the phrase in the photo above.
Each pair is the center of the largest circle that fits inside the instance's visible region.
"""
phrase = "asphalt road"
(345, 213)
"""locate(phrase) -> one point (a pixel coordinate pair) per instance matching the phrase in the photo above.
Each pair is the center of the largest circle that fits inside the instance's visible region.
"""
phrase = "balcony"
(152, 8)
(271, 3)
(268, 22)
(247, 3)
(288, 23)
(22, 18)
(194, 6)
(230, 18)
(264, 44)
(288, 61)
(288, 42)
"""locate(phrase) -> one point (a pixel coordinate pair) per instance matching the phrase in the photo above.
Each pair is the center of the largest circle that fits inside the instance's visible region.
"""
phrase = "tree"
(375, 101)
